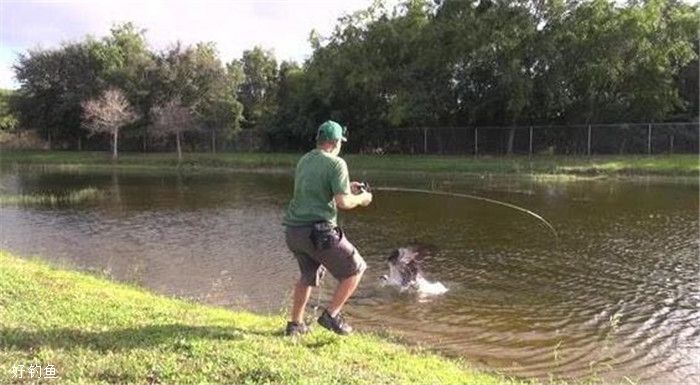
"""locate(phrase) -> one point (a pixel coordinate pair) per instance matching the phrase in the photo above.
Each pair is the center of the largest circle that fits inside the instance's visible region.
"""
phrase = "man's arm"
(350, 201)
(347, 195)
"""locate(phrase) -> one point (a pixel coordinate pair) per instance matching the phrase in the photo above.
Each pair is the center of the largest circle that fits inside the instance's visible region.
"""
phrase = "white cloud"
(234, 25)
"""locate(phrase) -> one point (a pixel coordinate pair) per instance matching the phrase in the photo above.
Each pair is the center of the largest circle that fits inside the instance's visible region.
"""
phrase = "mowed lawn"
(93, 330)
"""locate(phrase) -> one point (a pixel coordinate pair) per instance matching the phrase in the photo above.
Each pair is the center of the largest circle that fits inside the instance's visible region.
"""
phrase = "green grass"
(93, 330)
(74, 197)
(686, 165)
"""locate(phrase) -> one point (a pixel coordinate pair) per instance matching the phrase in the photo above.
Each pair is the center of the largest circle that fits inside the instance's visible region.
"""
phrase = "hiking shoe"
(295, 329)
(335, 324)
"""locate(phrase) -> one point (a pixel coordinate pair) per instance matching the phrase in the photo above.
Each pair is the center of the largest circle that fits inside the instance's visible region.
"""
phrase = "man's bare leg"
(344, 290)
(302, 292)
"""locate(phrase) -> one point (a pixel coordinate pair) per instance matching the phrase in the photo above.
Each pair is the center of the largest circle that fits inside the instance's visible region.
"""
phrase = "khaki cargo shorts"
(333, 253)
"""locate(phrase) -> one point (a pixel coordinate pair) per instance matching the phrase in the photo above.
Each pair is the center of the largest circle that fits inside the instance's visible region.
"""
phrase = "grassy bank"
(96, 331)
(626, 165)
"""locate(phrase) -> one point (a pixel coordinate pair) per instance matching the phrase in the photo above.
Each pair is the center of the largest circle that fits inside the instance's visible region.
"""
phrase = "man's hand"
(366, 198)
(355, 188)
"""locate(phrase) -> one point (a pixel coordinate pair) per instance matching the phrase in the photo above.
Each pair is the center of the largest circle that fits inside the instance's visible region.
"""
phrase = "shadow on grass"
(175, 335)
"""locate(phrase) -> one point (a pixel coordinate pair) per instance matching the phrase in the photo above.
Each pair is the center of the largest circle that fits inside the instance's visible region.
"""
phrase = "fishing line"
(475, 197)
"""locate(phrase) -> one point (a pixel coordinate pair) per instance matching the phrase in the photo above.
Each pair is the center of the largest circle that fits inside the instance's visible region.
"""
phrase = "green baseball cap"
(331, 130)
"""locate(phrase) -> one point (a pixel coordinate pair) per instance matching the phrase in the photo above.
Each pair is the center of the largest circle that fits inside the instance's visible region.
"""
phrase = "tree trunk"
(213, 142)
(622, 146)
(511, 139)
(145, 138)
(115, 143)
(50, 144)
(179, 147)
(80, 143)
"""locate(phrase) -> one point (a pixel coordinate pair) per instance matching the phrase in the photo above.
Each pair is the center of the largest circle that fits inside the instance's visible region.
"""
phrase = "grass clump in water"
(74, 197)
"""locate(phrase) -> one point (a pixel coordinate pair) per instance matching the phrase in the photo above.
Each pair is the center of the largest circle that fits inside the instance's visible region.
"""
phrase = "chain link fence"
(636, 138)
(654, 138)
(595, 139)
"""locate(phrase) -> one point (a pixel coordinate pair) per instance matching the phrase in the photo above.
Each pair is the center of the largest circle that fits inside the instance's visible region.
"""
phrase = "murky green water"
(616, 296)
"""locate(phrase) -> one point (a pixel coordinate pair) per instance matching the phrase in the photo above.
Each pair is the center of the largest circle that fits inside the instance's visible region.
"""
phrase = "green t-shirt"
(319, 176)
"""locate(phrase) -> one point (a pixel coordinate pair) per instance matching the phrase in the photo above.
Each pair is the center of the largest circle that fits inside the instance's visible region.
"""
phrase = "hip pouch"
(324, 235)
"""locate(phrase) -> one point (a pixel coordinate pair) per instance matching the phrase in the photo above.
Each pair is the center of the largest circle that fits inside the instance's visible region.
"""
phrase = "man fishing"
(321, 186)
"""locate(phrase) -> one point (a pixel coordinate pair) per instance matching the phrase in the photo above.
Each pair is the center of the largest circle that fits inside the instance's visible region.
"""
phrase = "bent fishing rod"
(365, 186)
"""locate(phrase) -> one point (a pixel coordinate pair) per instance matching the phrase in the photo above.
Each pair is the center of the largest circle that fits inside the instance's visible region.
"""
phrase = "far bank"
(679, 165)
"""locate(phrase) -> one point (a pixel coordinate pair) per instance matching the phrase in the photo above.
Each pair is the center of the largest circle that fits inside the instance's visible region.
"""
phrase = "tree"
(257, 91)
(172, 118)
(53, 83)
(419, 63)
(108, 114)
(131, 67)
(491, 60)
(8, 121)
(664, 35)
(219, 110)
(344, 79)
(192, 77)
(289, 121)
(220, 113)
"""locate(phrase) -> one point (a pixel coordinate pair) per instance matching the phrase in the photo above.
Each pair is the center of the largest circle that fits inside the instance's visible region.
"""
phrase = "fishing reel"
(364, 187)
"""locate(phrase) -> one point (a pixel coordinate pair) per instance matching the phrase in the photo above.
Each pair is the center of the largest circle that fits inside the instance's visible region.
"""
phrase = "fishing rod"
(365, 186)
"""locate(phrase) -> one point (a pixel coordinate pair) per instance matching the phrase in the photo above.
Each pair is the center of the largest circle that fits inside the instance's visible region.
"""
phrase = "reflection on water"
(616, 296)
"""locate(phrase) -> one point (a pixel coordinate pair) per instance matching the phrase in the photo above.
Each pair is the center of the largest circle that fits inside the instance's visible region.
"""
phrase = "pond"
(615, 297)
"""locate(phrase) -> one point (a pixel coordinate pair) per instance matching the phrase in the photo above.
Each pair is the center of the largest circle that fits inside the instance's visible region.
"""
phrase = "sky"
(234, 25)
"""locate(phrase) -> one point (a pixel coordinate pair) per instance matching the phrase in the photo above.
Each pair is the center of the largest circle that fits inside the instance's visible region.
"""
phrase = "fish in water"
(405, 271)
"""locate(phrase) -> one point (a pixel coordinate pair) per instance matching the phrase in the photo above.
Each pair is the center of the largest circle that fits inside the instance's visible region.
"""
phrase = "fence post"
(530, 152)
(476, 141)
(589, 140)
(425, 140)
(649, 141)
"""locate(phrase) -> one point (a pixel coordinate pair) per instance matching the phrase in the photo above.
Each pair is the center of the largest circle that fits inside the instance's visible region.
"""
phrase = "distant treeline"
(419, 64)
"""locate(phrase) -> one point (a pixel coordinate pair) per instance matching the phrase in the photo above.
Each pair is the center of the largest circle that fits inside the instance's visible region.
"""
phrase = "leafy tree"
(257, 91)
(219, 111)
(288, 123)
(344, 79)
(193, 78)
(491, 60)
(53, 83)
(419, 63)
(663, 38)
(8, 121)
(218, 108)
(187, 73)
(131, 66)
